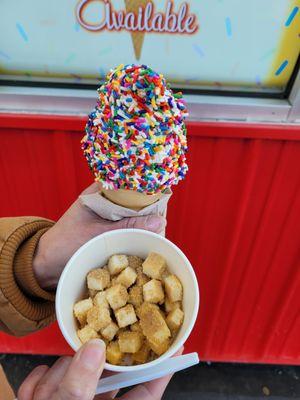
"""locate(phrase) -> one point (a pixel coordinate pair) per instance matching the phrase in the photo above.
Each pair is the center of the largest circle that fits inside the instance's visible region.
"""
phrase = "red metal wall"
(236, 217)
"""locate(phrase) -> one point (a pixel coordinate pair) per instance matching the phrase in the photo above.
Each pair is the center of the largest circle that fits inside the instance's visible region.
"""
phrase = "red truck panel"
(236, 217)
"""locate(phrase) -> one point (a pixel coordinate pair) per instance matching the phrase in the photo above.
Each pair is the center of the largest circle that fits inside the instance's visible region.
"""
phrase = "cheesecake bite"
(134, 305)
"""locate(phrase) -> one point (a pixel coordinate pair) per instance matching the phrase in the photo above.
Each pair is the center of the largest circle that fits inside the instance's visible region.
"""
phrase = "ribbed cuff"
(23, 268)
(41, 311)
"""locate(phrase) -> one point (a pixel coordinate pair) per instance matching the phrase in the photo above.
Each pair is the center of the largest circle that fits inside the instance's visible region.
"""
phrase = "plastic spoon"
(166, 367)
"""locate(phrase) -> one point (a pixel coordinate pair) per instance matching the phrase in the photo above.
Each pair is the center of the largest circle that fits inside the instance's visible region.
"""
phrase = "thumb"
(153, 223)
(81, 379)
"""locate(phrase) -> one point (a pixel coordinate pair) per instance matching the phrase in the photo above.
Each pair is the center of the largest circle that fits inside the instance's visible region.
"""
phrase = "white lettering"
(189, 22)
(129, 22)
(139, 19)
(157, 23)
(144, 20)
(90, 27)
(147, 17)
(171, 20)
(181, 16)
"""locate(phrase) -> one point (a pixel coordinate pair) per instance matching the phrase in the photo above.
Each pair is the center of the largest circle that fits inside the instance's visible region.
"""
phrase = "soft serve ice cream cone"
(135, 140)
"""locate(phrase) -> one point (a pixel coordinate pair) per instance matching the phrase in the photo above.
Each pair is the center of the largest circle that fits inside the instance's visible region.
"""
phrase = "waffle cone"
(136, 37)
(130, 198)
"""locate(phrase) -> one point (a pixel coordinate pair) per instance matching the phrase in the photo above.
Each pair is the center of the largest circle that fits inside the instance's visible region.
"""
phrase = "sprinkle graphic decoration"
(198, 50)
(136, 137)
(291, 16)
(282, 67)
(4, 55)
(22, 31)
(268, 54)
(70, 58)
(228, 27)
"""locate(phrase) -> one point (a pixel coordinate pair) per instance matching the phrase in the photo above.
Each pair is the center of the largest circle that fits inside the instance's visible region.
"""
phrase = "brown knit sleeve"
(23, 268)
(24, 306)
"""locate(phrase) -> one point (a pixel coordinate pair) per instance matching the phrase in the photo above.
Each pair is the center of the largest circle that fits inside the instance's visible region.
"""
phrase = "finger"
(27, 388)
(93, 188)
(108, 395)
(147, 391)
(153, 223)
(50, 381)
(152, 390)
(80, 381)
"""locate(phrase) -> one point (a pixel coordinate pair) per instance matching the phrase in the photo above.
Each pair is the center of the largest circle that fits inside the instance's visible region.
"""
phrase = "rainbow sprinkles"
(136, 136)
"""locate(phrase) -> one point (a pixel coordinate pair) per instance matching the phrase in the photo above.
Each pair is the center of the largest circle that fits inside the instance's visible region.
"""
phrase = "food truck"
(236, 214)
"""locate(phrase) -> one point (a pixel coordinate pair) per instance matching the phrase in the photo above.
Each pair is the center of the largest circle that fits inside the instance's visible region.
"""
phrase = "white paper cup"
(95, 253)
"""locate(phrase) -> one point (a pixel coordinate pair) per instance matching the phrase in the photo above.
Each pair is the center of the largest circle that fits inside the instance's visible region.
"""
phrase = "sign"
(139, 17)
(220, 44)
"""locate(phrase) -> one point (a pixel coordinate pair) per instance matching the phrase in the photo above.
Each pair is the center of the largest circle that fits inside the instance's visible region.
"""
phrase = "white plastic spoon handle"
(166, 367)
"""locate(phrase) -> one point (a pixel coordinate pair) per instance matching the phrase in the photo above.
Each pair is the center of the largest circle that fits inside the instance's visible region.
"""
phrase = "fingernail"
(155, 223)
(93, 354)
